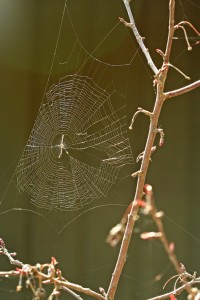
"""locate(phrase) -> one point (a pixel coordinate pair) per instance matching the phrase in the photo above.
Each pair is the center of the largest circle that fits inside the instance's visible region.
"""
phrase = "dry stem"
(160, 79)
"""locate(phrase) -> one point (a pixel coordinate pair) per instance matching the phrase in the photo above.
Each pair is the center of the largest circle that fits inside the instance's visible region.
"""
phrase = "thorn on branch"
(178, 70)
(103, 292)
(186, 38)
(141, 155)
(136, 174)
(125, 23)
(140, 110)
(162, 136)
(161, 53)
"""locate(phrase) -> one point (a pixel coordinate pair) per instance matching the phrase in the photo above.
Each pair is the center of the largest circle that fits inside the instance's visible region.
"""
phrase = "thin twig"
(139, 38)
(170, 31)
(79, 288)
(182, 90)
(177, 291)
(10, 256)
(190, 25)
(179, 71)
(7, 274)
(76, 296)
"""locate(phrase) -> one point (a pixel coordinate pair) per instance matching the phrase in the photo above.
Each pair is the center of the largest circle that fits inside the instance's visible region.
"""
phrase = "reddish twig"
(160, 79)
(9, 255)
(39, 275)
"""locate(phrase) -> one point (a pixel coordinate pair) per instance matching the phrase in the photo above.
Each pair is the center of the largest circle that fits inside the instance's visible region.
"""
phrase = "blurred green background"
(28, 33)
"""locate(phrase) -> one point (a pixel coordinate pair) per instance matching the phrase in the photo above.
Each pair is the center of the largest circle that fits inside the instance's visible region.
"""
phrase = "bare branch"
(10, 256)
(170, 31)
(160, 81)
(138, 37)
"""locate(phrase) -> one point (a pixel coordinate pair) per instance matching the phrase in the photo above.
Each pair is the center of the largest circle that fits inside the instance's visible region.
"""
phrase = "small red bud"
(2, 244)
(53, 261)
(141, 203)
(172, 297)
(171, 247)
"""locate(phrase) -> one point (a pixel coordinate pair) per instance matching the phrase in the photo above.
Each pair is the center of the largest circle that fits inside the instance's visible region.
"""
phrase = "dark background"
(28, 35)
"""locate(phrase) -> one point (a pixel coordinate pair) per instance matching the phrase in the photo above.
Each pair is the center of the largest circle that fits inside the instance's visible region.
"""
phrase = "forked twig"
(39, 275)
(161, 96)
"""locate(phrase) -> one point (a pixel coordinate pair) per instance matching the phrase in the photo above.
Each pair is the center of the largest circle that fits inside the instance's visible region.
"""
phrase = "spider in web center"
(62, 146)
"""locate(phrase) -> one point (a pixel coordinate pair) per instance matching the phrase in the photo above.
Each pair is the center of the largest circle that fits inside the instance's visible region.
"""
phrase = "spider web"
(79, 145)
(63, 152)
(55, 168)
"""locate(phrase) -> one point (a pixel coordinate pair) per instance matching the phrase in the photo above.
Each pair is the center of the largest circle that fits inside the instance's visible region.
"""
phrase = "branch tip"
(182, 90)
(125, 22)
(137, 174)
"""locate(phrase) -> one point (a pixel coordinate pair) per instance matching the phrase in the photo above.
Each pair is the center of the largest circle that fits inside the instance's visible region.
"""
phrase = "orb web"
(77, 121)
(78, 149)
